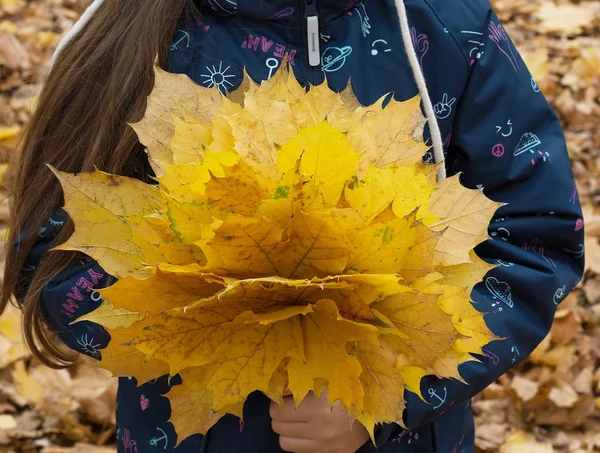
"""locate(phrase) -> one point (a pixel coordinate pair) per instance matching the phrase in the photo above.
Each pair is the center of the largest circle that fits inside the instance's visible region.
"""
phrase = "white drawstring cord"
(434, 128)
(77, 27)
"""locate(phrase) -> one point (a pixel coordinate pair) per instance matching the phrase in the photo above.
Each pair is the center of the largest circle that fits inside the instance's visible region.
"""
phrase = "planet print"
(334, 58)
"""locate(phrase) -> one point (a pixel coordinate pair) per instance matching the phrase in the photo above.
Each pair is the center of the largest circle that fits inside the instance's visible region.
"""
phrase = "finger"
(299, 430)
(452, 101)
(307, 410)
(279, 413)
(295, 445)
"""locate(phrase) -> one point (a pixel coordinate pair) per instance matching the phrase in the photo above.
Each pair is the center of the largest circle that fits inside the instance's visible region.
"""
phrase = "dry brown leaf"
(566, 18)
(520, 442)
(592, 254)
(80, 448)
(567, 325)
(524, 388)
(563, 395)
(583, 382)
(7, 422)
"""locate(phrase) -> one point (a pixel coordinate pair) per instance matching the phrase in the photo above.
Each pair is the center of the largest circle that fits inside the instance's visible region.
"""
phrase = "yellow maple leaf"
(464, 218)
(174, 97)
(265, 122)
(327, 333)
(384, 390)
(112, 318)
(393, 135)
(325, 157)
(294, 238)
(115, 229)
(122, 359)
(192, 403)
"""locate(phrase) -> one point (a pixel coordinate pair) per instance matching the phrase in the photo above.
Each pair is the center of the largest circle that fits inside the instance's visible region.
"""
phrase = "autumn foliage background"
(551, 402)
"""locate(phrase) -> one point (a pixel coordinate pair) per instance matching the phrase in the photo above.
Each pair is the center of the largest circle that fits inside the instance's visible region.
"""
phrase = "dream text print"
(268, 46)
(71, 306)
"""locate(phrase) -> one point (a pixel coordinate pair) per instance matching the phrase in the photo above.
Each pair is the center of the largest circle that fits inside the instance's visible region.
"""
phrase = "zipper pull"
(312, 33)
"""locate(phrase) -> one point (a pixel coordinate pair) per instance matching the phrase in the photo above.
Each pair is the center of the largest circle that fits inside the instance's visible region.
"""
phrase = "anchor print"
(155, 440)
(433, 393)
(185, 37)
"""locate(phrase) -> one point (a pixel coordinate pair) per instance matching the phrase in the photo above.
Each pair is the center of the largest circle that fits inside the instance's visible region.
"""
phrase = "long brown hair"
(98, 83)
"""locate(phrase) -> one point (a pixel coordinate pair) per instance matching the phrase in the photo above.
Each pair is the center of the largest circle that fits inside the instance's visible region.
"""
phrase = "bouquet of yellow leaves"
(293, 240)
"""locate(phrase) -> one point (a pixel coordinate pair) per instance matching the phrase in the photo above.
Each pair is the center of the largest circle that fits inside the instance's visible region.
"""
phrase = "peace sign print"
(443, 109)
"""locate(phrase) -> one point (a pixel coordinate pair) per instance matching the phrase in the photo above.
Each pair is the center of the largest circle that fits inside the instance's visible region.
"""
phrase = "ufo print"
(334, 58)
(528, 141)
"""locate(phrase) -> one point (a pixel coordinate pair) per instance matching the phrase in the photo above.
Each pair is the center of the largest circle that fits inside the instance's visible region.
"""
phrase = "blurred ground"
(550, 403)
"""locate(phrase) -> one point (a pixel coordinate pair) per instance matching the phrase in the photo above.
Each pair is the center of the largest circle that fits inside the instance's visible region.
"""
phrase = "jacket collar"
(286, 11)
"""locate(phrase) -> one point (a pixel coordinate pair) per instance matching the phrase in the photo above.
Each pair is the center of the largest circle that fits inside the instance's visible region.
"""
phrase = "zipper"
(434, 445)
(205, 442)
(313, 38)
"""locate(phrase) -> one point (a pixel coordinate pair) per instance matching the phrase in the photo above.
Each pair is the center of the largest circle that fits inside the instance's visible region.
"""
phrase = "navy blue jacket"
(498, 130)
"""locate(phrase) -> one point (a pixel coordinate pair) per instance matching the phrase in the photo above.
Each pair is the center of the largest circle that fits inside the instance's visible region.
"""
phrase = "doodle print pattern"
(266, 46)
(218, 77)
(443, 109)
(475, 40)
(162, 440)
(88, 346)
(537, 247)
(500, 38)
(144, 402)
(365, 25)
(383, 45)
(500, 290)
(421, 43)
(498, 150)
(129, 444)
(528, 142)
(505, 131)
(559, 294)
(285, 12)
(437, 400)
(515, 356)
(223, 7)
(579, 253)
(574, 195)
(334, 58)
(490, 355)
(500, 134)
(182, 38)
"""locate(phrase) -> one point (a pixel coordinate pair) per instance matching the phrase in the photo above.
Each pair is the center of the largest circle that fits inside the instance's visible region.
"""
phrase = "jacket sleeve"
(70, 294)
(507, 139)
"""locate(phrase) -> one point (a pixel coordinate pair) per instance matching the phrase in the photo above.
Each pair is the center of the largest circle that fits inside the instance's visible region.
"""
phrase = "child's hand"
(316, 428)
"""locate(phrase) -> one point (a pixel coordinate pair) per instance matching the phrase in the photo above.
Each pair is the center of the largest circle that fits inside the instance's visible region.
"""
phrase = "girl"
(485, 114)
